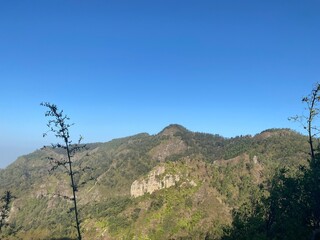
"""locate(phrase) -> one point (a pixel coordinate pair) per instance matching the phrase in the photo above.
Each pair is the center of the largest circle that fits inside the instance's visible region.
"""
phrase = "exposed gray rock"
(155, 180)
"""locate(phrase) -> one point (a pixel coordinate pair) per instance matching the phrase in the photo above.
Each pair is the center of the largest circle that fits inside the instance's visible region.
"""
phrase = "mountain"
(177, 184)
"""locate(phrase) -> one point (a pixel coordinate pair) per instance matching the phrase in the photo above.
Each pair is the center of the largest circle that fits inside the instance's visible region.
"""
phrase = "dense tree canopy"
(288, 207)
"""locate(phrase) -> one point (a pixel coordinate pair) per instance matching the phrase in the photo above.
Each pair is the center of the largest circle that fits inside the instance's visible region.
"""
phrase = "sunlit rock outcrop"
(156, 180)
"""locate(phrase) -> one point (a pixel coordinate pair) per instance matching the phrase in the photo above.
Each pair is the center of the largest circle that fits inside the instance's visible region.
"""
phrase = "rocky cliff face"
(156, 180)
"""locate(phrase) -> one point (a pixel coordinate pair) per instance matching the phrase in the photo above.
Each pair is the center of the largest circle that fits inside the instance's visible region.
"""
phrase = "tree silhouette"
(290, 206)
(59, 126)
(311, 177)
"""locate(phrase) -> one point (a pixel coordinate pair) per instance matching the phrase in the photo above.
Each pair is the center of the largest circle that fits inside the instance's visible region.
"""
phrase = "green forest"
(176, 184)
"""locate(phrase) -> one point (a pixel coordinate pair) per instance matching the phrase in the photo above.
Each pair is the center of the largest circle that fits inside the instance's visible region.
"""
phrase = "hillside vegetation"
(192, 183)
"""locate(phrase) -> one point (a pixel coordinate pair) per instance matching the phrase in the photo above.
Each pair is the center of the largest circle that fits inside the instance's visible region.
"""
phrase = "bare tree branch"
(59, 126)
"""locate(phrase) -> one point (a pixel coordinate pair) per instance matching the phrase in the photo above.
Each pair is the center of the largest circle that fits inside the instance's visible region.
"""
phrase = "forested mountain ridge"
(210, 175)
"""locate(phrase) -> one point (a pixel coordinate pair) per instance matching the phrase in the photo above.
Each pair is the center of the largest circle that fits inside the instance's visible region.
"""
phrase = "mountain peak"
(275, 132)
(172, 129)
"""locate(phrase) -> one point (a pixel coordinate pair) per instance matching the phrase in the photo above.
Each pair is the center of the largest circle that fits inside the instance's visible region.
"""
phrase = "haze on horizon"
(119, 68)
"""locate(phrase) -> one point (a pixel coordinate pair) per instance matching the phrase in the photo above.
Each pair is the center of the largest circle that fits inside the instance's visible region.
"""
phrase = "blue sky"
(119, 68)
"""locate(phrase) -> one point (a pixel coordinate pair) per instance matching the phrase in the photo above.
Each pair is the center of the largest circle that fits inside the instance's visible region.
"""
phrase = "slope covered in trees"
(288, 207)
(216, 176)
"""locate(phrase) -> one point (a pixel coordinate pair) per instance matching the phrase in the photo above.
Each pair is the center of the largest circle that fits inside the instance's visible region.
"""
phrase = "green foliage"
(5, 201)
(185, 211)
(156, 204)
(290, 209)
(110, 208)
(117, 223)
(238, 146)
(282, 214)
(135, 214)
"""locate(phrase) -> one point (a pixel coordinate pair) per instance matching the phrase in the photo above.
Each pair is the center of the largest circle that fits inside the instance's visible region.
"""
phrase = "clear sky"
(119, 68)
